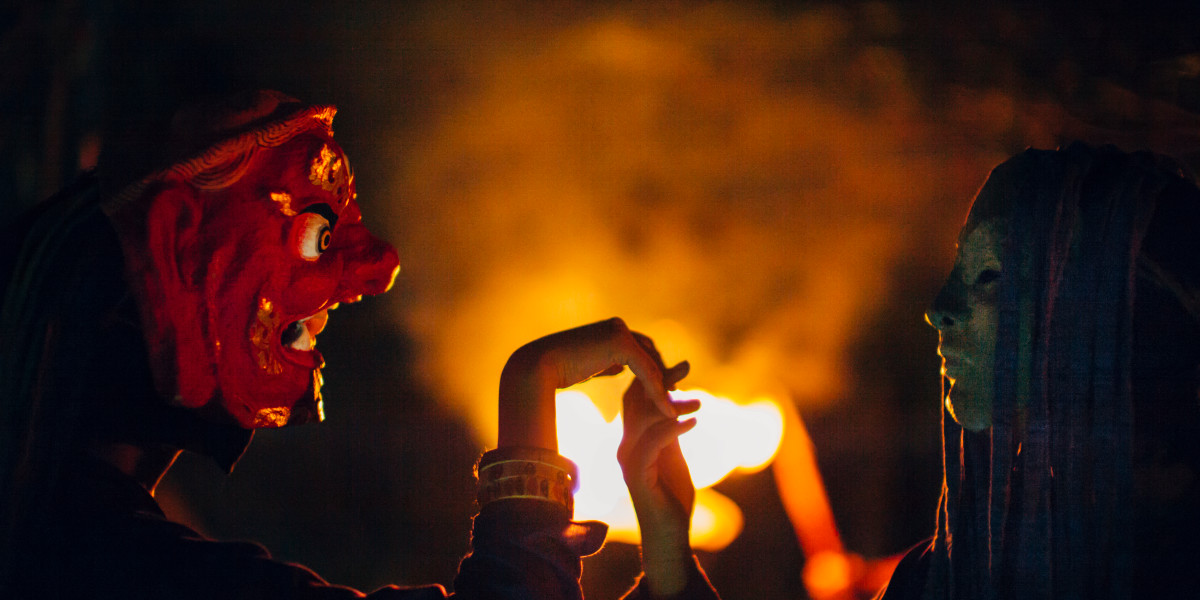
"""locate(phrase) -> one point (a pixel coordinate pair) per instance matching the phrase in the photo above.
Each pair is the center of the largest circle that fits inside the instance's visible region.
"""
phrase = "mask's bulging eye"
(313, 235)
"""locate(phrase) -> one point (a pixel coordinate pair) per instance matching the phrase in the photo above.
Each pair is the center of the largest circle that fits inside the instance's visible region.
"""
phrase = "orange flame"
(728, 437)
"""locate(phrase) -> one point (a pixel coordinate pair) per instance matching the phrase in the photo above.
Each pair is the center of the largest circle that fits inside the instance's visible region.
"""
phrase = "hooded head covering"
(1044, 503)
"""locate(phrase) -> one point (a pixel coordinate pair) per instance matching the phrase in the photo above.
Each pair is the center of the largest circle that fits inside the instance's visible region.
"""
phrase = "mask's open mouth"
(302, 335)
(299, 338)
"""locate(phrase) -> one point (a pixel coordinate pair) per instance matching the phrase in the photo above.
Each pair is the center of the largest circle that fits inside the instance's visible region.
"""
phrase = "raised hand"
(658, 480)
(536, 370)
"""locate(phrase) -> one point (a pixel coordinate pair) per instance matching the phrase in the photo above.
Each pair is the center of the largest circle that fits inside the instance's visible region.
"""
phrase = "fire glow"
(728, 437)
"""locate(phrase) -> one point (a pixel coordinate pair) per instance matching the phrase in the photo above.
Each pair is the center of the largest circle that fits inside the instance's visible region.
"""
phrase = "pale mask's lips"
(299, 339)
(952, 363)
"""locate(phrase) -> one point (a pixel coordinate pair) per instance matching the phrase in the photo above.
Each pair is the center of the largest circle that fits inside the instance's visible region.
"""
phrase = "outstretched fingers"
(638, 458)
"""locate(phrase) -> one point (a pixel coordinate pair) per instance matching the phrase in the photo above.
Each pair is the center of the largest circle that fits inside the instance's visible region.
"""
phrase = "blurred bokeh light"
(728, 437)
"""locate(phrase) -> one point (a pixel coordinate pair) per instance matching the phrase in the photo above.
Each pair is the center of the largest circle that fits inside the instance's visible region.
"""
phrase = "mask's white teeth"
(304, 342)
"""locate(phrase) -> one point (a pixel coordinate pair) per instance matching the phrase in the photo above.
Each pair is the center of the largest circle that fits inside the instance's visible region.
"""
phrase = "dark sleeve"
(147, 556)
(698, 587)
(126, 548)
(523, 549)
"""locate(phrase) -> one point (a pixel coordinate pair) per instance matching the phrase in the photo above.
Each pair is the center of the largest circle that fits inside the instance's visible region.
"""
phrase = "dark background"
(798, 177)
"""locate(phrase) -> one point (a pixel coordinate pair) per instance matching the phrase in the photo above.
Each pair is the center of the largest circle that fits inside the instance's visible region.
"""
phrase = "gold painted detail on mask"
(272, 417)
(325, 115)
(318, 381)
(284, 200)
(262, 332)
(329, 172)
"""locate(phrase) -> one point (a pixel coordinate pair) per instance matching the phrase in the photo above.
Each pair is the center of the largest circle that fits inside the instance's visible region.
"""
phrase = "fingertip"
(673, 375)
(687, 406)
(681, 428)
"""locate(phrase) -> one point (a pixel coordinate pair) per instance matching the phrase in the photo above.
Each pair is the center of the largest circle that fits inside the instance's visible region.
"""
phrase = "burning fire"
(728, 437)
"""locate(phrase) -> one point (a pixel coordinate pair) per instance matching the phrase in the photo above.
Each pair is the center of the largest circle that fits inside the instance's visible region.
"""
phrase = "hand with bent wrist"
(538, 369)
(526, 464)
(524, 543)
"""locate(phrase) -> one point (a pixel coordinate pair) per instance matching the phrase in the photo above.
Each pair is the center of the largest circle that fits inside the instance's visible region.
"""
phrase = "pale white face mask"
(965, 315)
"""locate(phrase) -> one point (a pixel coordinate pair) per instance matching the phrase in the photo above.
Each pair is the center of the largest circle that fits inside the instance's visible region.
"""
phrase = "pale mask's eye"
(313, 235)
(987, 276)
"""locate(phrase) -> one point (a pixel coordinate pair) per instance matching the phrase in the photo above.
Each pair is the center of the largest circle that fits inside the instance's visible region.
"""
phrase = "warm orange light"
(585, 437)
(728, 436)
(802, 491)
(716, 522)
(831, 575)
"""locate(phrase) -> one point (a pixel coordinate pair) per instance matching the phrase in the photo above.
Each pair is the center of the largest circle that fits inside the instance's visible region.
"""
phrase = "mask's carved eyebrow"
(324, 210)
(284, 201)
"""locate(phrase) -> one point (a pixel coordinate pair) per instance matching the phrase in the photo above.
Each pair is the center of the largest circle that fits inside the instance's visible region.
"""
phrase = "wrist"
(666, 577)
(666, 562)
(526, 409)
(516, 472)
(668, 537)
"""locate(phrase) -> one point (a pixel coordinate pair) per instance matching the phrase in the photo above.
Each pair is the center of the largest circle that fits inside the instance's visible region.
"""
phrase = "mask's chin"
(310, 408)
(298, 342)
(968, 411)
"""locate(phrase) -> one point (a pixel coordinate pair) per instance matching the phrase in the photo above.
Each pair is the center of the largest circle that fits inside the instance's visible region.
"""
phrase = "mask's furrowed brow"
(324, 210)
(284, 201)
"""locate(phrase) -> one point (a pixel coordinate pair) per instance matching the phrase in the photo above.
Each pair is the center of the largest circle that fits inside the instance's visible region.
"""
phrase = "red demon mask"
(238, 254)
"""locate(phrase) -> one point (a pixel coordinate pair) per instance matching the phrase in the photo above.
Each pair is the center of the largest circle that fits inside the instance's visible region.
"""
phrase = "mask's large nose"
(949, 307)
(370, 264)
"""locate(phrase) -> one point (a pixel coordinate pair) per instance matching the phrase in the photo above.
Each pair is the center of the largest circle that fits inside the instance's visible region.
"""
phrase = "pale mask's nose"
(949, 307)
